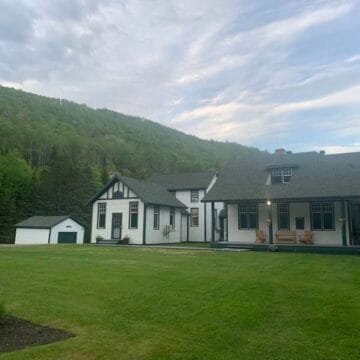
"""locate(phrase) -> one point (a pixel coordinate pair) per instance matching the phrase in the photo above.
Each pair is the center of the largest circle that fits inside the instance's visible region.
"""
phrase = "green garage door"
(67, 237)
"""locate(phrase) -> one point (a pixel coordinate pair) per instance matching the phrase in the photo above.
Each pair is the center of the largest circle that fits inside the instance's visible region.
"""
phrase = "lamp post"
(269, 220)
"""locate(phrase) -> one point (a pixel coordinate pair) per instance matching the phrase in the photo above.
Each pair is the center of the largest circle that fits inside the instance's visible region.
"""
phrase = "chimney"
(322, 152)
(280, 152)
(113, 174)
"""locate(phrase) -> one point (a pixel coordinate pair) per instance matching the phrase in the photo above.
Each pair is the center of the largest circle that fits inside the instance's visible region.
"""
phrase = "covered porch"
(320, 222)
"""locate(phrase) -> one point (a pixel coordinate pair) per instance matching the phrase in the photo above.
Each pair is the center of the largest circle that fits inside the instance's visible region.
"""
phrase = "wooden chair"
(285, 237)
(260, 236)
(306, 237)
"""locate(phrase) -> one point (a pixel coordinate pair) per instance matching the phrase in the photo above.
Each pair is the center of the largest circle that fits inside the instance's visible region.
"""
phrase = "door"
(67, 237)
(116, 226)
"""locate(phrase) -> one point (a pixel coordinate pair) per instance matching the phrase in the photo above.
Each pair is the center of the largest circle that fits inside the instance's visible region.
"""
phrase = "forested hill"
(55, 153)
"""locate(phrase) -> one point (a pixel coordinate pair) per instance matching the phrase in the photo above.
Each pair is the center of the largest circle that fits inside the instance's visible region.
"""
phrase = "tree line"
(54, 154)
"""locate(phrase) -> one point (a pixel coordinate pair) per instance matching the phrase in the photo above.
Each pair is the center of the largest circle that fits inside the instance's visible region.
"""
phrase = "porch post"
(212, 221)
(269, 205)
(343, 226)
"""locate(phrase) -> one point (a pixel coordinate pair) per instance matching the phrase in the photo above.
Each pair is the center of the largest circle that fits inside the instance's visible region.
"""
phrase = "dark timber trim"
(349, 213)
(343, 226)
(212, 222)
(144, 225)
(187, 228)
(205, 240)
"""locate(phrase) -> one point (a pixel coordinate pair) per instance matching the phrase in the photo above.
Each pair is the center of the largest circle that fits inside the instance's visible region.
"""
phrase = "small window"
(118, 195)
(172, 218)
(300, 223)
(248, 216)
(281, 176)
(283, 216)
(133, 215)
(194, 217)
(101, 215)
(194, 196)
(322, 216)
(156, 217)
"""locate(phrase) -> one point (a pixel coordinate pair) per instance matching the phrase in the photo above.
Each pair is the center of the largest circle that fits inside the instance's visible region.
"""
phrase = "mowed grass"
(126, 303)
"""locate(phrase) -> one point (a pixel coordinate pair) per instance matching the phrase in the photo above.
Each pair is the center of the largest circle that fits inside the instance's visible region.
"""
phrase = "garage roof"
(43, 222)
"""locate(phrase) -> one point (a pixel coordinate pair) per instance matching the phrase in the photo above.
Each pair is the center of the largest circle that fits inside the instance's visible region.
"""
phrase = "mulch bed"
(16, 334)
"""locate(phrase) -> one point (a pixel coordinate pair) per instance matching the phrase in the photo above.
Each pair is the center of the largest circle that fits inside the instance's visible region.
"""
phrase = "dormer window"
(281, 176)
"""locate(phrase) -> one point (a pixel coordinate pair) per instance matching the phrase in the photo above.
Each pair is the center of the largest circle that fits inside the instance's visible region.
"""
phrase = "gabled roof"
(147, 191)
(314, 176)
(185, 181)
(43, 222)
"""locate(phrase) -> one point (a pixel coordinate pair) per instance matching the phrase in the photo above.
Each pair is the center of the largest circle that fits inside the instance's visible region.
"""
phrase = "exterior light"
(268, 203)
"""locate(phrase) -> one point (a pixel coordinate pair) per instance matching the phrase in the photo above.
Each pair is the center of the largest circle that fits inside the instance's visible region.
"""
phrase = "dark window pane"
(134, 220)
(276, 179)
(243, 221)
(102, 220)
(316, 221)
(253, 221)
(300, 223)
(328, 221)
(283, 221)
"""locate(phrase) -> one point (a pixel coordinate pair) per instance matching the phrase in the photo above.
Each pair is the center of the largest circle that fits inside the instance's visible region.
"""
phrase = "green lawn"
(127, 303)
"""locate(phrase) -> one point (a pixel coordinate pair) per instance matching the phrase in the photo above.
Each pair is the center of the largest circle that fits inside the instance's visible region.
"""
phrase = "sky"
(264, 73)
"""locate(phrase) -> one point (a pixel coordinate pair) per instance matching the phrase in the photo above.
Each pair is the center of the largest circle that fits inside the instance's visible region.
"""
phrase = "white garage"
(49, 230)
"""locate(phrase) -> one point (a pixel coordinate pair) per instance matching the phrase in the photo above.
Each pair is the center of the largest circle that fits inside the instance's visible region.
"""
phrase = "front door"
(116, 226)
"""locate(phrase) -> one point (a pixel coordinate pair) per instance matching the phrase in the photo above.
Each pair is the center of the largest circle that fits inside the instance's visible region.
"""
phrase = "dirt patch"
(16, 334)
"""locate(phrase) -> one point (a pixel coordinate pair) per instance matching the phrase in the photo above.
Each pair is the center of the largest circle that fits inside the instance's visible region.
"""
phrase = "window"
(172, 217)
(133, 215)
(281, 176)
(194, 195)
(101, 220)
(118, 195)
(300, 223)
(283, 217)
(194, 216)
(322, 216)
(156, 217)
(248, 216)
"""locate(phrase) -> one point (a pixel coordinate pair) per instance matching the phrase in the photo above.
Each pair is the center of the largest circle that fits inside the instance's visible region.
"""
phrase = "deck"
(300, 248)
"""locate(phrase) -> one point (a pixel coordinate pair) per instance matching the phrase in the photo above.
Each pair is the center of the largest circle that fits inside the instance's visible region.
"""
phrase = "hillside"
(55, 153)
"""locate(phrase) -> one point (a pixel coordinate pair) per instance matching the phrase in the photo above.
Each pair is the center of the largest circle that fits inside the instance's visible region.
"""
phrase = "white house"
(190, 189)
(285, 198)
(137, 210)
(49, 230)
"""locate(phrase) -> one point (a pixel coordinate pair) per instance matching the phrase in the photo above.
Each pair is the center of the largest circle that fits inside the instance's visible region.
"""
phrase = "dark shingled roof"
(42, 222)
(149, 192)
(185, 181)
(314, 176)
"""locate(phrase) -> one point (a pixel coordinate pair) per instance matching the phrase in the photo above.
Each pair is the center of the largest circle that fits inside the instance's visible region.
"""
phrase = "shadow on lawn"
(16, 334)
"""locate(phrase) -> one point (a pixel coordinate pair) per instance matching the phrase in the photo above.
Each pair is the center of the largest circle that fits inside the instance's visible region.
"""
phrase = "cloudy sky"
(264, 73)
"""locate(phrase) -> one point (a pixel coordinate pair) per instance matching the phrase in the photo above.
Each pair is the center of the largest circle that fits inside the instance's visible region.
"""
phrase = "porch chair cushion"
(307, 237)
(260, 236)
(285, 236)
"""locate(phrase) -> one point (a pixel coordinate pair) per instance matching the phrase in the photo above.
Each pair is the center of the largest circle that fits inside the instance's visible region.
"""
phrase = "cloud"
(232, 69)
